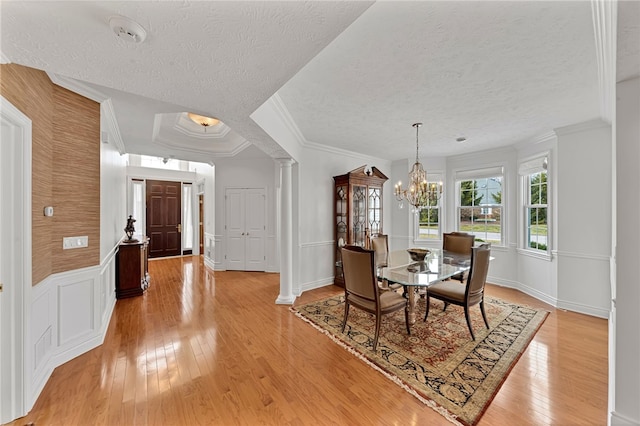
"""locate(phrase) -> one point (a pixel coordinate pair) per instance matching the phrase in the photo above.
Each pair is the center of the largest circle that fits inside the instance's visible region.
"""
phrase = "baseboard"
(315, 284)
(616, 419)
(583, 309)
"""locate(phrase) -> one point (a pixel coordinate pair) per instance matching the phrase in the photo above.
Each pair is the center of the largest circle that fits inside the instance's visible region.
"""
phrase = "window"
(480, 204)
(138, 205)
(428, 219)
(187, 217)
(536, 205)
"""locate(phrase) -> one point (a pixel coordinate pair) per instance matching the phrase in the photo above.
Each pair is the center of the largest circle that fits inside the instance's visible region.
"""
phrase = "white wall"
(626, 315)
(583, 226)
(250, 173)
(315, 231)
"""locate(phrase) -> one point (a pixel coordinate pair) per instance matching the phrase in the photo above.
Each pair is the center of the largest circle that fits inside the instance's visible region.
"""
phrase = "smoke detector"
(127, 29)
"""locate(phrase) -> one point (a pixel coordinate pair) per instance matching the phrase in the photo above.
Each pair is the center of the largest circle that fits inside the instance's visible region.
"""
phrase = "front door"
(245, 228)
(164, 227)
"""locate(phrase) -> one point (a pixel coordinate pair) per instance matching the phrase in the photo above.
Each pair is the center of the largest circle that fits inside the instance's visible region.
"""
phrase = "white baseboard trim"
(312, 285)
(583, 309)
(616, 419)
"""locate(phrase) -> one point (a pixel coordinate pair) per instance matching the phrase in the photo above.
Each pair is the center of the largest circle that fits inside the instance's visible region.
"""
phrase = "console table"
(132, 272)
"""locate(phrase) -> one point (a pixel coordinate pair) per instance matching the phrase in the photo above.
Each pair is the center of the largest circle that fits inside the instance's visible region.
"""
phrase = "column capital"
(285, 161)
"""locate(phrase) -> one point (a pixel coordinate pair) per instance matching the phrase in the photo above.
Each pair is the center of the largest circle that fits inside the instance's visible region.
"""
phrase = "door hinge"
(1, 287)
(225, 257)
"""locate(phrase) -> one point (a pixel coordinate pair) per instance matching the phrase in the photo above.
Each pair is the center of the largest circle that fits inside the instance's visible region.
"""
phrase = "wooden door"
(245, 229)
(164, 205)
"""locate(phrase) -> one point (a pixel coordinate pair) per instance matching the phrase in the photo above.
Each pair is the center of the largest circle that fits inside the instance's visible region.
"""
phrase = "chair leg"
(406, 320)
(445, 306)
(426, 300)
(484, 316)
(375, 338)
(346, 313)
(466, 314)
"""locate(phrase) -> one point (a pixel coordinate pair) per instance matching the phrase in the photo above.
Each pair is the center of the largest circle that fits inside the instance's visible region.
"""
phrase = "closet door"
(245, 229)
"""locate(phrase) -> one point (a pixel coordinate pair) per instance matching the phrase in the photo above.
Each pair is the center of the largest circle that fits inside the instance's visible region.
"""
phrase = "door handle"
(179, 226)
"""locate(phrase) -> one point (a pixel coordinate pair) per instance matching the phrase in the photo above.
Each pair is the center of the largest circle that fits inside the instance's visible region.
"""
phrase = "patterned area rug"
(438, 363)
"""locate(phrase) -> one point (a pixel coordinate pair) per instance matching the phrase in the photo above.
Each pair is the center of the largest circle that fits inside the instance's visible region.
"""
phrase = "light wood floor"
(213, 348)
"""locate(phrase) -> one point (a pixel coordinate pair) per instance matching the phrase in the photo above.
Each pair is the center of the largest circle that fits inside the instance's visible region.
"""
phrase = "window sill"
(535, 254)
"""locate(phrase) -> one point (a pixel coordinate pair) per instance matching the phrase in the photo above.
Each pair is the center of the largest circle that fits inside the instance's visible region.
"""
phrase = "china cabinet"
(358, 211)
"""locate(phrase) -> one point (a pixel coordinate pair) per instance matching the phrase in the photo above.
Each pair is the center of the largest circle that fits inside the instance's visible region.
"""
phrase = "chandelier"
(419, 193)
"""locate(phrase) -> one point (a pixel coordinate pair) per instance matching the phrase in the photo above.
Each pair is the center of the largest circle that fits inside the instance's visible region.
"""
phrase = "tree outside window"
(480, 208)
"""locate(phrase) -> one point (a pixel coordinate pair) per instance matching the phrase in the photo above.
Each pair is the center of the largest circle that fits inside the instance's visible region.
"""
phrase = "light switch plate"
(75, 242)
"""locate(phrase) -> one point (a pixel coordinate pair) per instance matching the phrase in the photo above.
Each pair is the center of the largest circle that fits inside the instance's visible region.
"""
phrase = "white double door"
(245, 226)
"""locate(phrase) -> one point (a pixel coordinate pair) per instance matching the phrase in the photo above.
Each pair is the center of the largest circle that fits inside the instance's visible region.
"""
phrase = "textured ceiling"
(353, 75)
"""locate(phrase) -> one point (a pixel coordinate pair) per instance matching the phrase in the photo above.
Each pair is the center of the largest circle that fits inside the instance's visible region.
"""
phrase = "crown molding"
(106, 107)
(605, 17)
(77, 87)
(596, 123)
(209, 154)
(343, 152)
(283, 113)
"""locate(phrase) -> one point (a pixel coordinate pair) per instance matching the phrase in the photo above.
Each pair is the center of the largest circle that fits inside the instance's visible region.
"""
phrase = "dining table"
(416, 276)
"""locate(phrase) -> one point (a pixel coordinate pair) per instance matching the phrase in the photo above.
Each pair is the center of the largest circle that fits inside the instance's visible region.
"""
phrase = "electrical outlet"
(75, 242)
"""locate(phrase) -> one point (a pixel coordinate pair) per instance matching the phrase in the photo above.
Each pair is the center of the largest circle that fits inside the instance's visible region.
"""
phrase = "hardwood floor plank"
(204, 347)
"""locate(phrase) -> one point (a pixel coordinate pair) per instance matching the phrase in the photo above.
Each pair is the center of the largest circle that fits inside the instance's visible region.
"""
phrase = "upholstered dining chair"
(459, 243)
(361, 288)
(469, 295)
(379, 243)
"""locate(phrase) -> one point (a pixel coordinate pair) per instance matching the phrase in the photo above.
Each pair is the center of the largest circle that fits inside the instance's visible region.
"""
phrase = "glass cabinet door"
(359, 215)
(375, 210)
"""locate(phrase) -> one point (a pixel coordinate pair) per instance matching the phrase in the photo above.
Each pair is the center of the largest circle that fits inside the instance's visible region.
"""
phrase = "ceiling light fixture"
(202, 120)
(419, 193)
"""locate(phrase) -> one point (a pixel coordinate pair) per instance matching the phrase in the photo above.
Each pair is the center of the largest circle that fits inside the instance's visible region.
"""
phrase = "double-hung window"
(536, 205)
(479, 204)
(427, 221)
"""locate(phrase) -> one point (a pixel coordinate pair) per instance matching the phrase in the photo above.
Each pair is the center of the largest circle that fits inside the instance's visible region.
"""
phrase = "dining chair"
(469, 295)
(361, 288)
(379, 243)
(459, 243)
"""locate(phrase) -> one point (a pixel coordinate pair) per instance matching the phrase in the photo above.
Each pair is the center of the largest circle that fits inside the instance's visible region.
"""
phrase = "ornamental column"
(286, 296)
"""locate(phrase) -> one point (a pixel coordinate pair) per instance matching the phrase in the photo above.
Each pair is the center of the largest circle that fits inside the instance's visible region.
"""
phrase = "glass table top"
(437, 266)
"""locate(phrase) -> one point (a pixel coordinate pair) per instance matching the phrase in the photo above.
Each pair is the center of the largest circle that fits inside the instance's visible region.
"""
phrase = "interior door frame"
(15, 356)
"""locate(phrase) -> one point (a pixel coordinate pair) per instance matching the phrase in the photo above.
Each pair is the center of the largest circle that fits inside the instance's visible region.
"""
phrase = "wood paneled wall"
(65, 168)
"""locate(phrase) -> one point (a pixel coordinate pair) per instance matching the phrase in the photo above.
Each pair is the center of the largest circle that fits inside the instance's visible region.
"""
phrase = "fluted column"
(286, 296)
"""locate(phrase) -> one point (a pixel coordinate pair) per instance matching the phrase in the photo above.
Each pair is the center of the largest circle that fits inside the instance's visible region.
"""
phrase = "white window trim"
(526, 167)
(483, 173)
(437, 177)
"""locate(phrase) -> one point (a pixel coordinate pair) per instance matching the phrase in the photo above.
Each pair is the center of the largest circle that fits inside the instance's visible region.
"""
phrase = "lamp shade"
(202, 120)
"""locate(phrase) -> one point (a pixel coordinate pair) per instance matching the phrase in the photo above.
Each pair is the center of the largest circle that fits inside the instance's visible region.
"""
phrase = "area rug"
(439, 363)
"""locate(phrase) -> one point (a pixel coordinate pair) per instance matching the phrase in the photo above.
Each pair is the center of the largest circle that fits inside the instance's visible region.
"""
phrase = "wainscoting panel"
(68, 315)
(316, 266)
(212, 251)
(75, 310)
